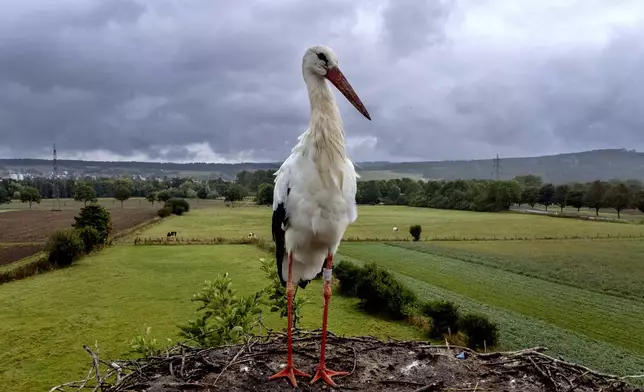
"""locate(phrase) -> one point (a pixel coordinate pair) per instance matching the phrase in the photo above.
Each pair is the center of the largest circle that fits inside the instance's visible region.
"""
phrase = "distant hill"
(581, 166)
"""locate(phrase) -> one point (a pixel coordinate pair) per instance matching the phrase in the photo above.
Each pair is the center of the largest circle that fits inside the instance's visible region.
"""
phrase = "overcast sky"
(220, 80)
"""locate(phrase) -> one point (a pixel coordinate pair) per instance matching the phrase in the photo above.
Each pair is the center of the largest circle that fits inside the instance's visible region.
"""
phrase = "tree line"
(471, 195)
(88, 189)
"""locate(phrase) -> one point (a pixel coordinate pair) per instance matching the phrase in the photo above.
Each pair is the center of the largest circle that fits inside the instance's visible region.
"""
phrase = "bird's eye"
(322, 57)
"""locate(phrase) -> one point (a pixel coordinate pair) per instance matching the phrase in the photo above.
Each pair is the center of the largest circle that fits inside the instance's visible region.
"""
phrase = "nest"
(396, 366)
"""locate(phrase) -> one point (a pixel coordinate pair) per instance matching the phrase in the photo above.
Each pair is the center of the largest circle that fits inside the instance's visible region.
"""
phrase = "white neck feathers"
(326, 128)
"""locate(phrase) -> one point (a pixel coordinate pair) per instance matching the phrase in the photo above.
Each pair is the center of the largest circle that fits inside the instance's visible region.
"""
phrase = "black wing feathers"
(280, 218)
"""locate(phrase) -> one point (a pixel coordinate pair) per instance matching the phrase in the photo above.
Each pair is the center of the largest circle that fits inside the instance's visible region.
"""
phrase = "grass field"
(582, 298)
(592, 316)
(110, 297)
(378, 221)
(613, 267)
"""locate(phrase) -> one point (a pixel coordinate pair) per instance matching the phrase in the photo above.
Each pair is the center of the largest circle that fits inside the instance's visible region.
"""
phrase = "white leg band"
(327, 274)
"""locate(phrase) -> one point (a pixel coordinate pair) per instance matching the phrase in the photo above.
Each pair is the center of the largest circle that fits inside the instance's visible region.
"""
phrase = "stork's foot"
(289, 372)
(325, 374)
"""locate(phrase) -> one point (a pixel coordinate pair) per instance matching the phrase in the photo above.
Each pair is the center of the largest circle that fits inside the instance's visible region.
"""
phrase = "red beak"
(336, 77)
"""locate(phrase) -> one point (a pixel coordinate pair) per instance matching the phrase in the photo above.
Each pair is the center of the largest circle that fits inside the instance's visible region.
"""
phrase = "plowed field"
(36, 226)
(22, 233)
(11, 253)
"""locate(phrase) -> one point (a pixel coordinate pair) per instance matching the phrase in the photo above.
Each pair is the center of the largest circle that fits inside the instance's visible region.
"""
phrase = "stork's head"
(320, 61)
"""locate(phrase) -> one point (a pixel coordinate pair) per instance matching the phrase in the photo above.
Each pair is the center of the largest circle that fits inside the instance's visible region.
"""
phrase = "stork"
(314, 197)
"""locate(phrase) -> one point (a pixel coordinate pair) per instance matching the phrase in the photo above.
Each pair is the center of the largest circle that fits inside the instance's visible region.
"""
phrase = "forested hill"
(581, 166)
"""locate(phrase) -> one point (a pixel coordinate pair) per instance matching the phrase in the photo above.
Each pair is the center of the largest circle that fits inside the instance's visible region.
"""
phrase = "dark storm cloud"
(204, 79)
(411, 25)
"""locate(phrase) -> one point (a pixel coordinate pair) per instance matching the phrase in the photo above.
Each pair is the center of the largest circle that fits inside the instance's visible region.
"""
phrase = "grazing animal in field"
(395, 229)
(314, 196)
(172, 234)
(251, 235)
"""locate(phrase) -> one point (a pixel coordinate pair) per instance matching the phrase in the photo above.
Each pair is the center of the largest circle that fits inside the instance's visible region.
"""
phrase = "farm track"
(597, 316)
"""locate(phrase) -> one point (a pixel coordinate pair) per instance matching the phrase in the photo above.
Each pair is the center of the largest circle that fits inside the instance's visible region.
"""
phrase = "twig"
(511, 353)
(400, 382)
(227, 365)
(552, 382)
(430, 387)
(99, 380)
(183, 361)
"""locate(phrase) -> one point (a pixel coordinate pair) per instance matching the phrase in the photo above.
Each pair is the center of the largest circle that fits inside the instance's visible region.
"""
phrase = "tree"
(234, 192)
(546, 195)
(122, 193)
(639, 201)
(163, 196)
(530, 196)
(85, 193)
(393, 193)
(506, 193)
(617, 197)
(265, 194)
(560, 197)
(30, 195)
(177, 206)
(95, 216)
(203, 192)
(368, 192)
(151, 197)
(4, 196)
(576, 198)
(529, 181)
(594, 196)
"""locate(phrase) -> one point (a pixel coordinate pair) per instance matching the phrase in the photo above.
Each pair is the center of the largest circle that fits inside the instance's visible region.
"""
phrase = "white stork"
(314, 198)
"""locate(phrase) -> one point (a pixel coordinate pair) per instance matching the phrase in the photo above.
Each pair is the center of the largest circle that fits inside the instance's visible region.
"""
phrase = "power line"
(56, 205)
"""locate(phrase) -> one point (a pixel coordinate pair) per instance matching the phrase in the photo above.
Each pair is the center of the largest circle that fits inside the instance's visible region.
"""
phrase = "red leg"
(289, 371)
(321, 372)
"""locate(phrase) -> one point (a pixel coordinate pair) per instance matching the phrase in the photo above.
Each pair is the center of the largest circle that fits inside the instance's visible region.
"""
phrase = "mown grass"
(110, 297)
(613, 267)
(378, 221)
(591, 316)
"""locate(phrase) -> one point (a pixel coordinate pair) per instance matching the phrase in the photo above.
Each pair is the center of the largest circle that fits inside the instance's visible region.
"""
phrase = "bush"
(415, 231)
(478, 329)
(224, 318)
(64, 247)
(164, 212)
(380, 292)
(97, 217)
(444, 316)
(349, 276)
(276, 293)
(90, 237)
(178, 206)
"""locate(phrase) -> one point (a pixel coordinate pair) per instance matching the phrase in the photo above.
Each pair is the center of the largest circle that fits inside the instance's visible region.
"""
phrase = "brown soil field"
(35, 226)
(9, 254)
